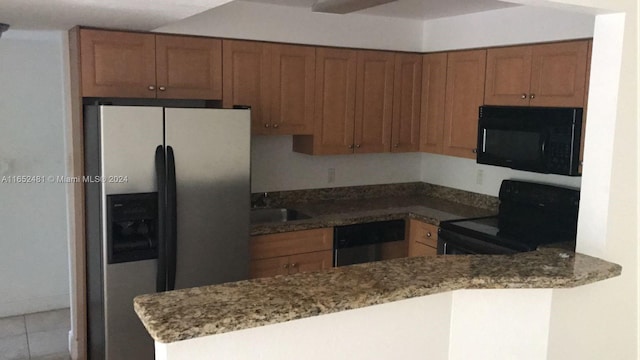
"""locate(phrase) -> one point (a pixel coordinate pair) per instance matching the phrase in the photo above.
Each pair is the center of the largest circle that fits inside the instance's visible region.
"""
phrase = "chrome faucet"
(263, 201)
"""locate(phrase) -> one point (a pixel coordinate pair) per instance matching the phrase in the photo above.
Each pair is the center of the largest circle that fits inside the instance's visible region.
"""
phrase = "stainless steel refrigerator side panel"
(129, 137)
(93, 221)
(212, 157)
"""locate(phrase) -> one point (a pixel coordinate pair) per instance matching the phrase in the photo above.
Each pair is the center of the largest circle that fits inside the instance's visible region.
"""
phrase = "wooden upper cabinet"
(508, 76)
(246, 80)
(374, 102)
(117, 64)
(464, 95)
(354, 103)
(405, 133)
(139, 65)
(188, 67)
(292, 89)
(334, 104)
(434, 81)
(559, 74)
(538, 75)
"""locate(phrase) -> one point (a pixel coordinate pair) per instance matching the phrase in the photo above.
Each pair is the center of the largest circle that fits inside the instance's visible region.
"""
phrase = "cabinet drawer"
(424, 233)
(290, 243)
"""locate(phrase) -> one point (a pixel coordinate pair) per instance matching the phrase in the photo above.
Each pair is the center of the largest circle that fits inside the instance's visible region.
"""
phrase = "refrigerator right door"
(211, 150)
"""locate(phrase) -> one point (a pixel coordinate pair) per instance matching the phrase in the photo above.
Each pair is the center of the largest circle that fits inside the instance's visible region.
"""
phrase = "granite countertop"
(328, 213)
(191, 313)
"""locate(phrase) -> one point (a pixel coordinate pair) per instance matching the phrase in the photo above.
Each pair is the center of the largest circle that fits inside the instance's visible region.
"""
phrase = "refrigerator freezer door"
(212, 164)
(129, 137)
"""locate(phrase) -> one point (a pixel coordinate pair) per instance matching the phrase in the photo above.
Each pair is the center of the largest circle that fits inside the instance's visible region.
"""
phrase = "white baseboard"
(73, 346)
(33, 305)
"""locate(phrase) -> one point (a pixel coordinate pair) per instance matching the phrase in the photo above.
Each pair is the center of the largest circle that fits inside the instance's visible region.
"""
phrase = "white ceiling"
(151, 14)
(122, 14)
(413, 9)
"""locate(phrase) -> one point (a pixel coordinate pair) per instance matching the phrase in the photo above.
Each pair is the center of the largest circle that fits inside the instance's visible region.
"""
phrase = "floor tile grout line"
(26, 334)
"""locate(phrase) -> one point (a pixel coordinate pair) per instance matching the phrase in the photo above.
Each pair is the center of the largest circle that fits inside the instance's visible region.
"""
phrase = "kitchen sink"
(265, 215)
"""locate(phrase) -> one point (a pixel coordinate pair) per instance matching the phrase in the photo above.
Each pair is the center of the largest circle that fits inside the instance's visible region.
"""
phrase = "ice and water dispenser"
(132, 227)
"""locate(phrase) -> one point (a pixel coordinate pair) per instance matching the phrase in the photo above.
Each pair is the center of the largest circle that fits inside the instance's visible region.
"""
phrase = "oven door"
(453, 243)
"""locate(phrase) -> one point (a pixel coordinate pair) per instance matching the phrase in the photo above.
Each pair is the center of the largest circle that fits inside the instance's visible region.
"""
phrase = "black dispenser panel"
(132, 227)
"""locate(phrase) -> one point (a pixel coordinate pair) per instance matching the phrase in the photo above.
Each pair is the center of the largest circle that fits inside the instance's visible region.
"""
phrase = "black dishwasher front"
(373, 241)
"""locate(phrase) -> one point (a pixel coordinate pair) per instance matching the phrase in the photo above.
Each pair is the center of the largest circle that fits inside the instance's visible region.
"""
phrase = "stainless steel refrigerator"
(167, 207)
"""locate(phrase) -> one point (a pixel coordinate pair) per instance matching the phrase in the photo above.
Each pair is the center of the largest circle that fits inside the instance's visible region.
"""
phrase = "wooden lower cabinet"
(291, 252)
(423, 239)
(286, 265)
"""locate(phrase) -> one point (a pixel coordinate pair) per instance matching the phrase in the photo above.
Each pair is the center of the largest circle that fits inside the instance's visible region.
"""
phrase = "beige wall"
(600, 321)
(34, 271)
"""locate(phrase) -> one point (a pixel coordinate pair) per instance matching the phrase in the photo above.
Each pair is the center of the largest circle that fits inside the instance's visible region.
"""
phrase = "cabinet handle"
(523, 96)
(286, 266)
(475, 151)
(396, 145)
(266, 125)
(428, 234)
(275, 126)
(532, 96)
(294, 265)
(151, 87)
(350, 146)
(162, 88)
(357, 146)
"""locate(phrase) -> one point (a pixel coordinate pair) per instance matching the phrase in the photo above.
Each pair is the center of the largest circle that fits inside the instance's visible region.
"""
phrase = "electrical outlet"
(331, 175)
(479, 176)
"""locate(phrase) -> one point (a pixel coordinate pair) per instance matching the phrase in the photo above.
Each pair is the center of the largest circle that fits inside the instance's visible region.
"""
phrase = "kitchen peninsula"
(401, 305)
(177, 317)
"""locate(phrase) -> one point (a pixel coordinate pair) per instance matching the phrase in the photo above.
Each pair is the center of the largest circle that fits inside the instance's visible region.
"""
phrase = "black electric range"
(530, 215)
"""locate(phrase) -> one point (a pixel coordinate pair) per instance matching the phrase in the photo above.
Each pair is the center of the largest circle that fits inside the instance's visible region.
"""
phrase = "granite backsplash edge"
(287, 198)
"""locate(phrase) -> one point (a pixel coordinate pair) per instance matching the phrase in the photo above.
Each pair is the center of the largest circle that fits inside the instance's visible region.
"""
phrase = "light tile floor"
(38, 336)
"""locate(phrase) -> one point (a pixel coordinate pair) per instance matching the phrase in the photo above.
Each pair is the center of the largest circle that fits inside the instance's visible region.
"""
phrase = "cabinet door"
(335, 101)
(423, 238)
(269, 267)
(246, 80)
(313, 261)
(405, 133)
(292, 96)
(374, 102)
(423, 250)
(188, 67)
(117, 64)
(508, 76)
(464, 94)
(434, 80)
(559, 74)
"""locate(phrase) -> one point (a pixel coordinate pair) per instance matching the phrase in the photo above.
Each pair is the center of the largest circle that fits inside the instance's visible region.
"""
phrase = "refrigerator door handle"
(172, 220)
(161, 275)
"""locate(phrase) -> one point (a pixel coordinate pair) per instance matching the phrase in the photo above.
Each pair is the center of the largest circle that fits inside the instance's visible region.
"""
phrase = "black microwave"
(539, 139)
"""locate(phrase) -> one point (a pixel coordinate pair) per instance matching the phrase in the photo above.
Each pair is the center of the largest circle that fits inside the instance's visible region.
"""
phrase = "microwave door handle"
(484, 140)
